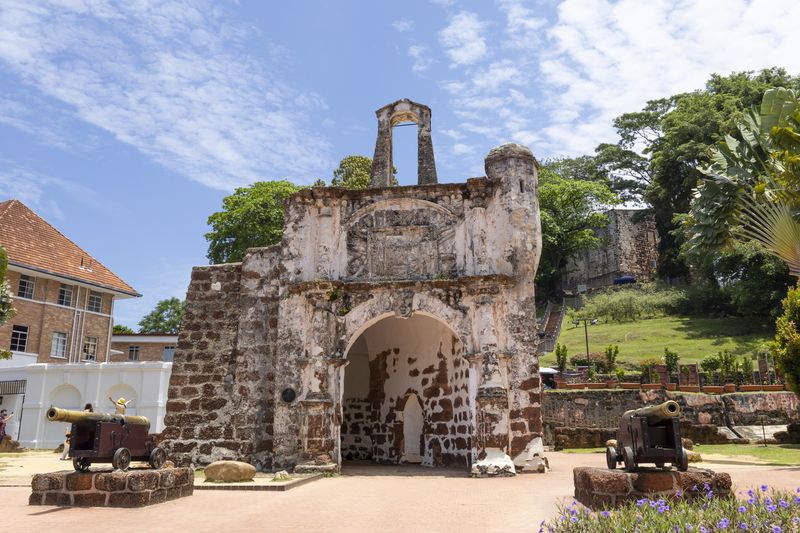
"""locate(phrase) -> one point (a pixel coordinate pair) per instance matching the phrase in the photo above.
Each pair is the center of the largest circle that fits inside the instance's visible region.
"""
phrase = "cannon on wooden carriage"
(108, 438)
(649, 435)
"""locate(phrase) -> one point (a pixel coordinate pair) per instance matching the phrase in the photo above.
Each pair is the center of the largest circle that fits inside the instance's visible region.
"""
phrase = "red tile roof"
(33, 243)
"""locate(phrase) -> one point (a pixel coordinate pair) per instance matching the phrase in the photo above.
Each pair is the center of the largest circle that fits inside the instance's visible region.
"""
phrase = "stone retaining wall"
(598, 488)
(581, 418)
(134, 488)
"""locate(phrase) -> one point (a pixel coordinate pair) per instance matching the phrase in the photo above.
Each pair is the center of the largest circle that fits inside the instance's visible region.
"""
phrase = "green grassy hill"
(692, 338)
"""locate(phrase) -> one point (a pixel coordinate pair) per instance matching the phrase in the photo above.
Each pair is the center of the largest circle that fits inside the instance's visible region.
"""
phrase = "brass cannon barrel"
(56, 414)
(656, 413)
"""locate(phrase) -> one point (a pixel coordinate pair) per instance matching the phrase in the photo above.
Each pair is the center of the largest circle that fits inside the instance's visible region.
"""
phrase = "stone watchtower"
(393, 324)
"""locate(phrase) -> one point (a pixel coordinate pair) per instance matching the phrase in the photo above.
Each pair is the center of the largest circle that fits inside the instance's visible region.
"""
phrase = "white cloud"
(421, 56)
(607, 58)
(173, 80)
(462, 149)
(523, 27)
(463, 39)
(403, 25)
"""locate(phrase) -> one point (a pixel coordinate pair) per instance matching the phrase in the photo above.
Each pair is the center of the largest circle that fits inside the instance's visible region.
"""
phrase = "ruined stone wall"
(285, 319)
(221, 393)
(628, 248)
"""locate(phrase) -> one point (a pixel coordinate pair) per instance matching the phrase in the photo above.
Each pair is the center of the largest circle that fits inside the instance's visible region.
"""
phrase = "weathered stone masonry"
(392, 324)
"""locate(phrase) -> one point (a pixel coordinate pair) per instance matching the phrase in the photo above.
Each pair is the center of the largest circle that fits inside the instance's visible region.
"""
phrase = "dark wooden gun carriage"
(649, 435)
(108, 438)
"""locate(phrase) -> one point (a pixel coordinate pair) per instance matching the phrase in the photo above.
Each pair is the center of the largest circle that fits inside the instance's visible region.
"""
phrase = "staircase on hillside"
(552, 319)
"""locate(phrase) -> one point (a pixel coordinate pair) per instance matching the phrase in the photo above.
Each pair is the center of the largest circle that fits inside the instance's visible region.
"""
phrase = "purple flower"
(641, 502)
(797, 500)
(742, 509)
(750, 493)
(723, 524)
(795, 520)
(695, 488)
(772, 508)
(783, 503)
(777, 529)
(751, 501)
(743, 526)
(703, 529)
(679, 494)
(706, 486)
(605, 514)
(689, 527)
(710, 494)
(764, 488)
(573, 519)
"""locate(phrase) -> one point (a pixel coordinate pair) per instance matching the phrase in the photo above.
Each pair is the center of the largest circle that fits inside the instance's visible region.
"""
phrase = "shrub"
(747, 368)
(762, 510)
(620, 372)
(710, 364)
(671, 360)
(561, 357)
(727, 365)
(786, 346)
(596, 360)
(611, 353)
(629, 304)
(645, 365)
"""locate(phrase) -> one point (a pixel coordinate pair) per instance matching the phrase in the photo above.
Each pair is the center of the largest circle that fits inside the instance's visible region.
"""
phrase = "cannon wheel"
(683, 461)
(659, 465)
(157, 458)
(81, 464)
(627, 458)
(611, 457)
(121, 459)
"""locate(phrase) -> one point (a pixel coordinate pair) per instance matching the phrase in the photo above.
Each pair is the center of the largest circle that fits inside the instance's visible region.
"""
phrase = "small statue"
(120, 405)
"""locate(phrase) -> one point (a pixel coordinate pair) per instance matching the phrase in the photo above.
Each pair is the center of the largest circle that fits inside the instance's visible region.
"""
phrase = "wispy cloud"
(463, 39)
(421, 56)
(40, 191)
(403, 25)
(173, 80)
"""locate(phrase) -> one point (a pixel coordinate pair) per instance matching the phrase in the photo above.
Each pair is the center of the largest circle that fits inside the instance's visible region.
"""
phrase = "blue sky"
(126, 123)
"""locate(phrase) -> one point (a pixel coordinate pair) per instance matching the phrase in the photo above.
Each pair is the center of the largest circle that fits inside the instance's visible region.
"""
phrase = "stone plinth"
(599, 488)
(134, 488)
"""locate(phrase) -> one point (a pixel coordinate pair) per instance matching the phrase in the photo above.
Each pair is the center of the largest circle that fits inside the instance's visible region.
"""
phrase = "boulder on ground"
(7, 444)
(694, 457)
(230, 471)
(283, 475)
(687, 443)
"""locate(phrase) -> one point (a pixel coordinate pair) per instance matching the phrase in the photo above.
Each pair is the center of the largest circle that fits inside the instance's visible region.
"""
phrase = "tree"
(786, 346)
(570, 214)
(119, 329)
(7, 310)
(165, 318)
(354, 172)
(251, 217)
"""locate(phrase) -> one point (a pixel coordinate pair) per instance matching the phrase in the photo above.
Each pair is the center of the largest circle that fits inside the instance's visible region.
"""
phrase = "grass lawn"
(774, 454)
(693, 338)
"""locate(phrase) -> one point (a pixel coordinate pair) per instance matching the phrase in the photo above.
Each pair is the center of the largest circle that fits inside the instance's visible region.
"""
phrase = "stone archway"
(393, 364)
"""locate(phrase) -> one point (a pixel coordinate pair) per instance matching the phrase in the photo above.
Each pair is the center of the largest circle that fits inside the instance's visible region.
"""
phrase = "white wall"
(73, 385)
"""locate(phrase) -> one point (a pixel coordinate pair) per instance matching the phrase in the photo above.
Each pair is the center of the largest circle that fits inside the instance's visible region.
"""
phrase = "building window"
(19, 338)
(169, 353)
(133, 353)
(95, 302)
(59, 346)
(65, 295)
(90, 349)
(26, 286)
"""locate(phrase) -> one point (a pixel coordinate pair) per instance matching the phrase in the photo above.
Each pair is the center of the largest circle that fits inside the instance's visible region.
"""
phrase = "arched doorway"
(406, 394)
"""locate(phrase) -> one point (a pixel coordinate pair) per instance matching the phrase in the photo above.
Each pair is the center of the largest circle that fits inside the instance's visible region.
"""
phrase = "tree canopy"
(571, 210)
(251, 217)
(7, 310)
(164, 318)
(120, 329)
(354, 171)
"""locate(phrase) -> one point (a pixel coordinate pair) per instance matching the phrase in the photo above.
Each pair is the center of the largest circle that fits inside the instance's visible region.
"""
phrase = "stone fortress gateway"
(392, 324)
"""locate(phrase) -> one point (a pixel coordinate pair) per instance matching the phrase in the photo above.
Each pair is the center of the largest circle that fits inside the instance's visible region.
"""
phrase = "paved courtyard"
(364, 498)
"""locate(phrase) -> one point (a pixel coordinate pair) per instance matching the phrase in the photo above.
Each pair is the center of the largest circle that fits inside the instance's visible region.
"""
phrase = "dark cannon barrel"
(56, 414)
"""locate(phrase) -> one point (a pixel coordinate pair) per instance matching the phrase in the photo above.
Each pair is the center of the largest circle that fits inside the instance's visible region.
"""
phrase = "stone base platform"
(107, 488)
(599, 488)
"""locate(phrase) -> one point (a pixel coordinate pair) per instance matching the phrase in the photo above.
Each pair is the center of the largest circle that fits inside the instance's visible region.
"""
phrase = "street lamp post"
(585, 321)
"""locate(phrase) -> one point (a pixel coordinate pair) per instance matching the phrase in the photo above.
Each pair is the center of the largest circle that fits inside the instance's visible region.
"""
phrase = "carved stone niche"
(402, 244)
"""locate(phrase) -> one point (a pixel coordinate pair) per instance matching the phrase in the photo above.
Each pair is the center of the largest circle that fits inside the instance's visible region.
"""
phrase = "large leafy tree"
(751, 193)
(251, 217)
(7, 310)
(165, 318)
(120, 329)
(571, 210)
